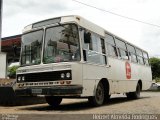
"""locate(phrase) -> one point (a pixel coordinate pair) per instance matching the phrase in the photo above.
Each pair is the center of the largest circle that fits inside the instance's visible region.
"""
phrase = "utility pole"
(1, 2)
(3, 58)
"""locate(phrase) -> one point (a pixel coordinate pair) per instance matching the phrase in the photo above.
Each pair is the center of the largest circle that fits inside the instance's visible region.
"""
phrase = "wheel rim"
(99, 94)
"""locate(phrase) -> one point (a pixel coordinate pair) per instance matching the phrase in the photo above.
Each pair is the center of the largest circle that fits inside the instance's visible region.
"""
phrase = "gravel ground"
(149, 103)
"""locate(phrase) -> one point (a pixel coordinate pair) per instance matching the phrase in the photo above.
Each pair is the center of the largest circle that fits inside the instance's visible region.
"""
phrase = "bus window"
(123, 54)
(110, 39)
(96, 45)
(94, 52)
(103, 51)
(139, 52)
(112, 51)
(140, 60)
(86, 40)
(87, 37)
(61, 44)
(132, 53)
(120, 44)
(122, 49)
(139, 56)
(133, 57)
(145, 55)
(131, 48)
(103, 46)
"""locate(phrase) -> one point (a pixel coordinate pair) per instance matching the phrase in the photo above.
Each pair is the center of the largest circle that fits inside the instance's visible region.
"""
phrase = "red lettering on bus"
(128, 70)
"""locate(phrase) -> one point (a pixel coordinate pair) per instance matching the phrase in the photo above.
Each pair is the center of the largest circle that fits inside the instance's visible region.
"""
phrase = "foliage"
(157, 79)
(155, 66)
(12, 71)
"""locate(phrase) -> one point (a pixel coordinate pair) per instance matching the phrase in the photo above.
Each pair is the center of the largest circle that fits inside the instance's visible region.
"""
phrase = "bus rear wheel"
(136, 94)
(53, 101)
(99, 97)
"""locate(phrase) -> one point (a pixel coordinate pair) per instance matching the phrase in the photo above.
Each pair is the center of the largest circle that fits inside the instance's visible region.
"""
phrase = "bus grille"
(44, 76)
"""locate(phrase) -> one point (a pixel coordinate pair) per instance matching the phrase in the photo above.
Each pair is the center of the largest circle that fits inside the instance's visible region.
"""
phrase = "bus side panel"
(77, 74)
(117, 75)
(146, 77)
(92, 74)
(139, 72)
(135, 76)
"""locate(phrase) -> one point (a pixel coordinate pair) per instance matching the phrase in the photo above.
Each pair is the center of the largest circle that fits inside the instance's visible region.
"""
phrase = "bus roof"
(74, 19)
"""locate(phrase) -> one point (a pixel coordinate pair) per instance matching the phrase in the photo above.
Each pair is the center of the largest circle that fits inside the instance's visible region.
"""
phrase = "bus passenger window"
(146, 61)
(112, 50)
(132, 57)
(95, 43)
(111, 47)
(122, 50)
(139, 56)
(92, 50)
(103, 46)
(123, 54)
(103, 51)
(145, 55)
(140, 60)
(132, 53)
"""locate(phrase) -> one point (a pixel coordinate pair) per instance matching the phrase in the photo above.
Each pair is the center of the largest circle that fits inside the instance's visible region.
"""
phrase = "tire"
(53, 101)
(107, 98)
(99, 97)
(136, 94)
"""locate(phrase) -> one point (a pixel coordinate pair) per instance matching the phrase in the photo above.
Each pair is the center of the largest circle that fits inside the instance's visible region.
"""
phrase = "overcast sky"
(19, 13)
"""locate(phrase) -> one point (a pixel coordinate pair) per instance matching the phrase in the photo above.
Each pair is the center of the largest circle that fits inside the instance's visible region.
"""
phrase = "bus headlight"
(62, 75)
(23, 78)
(68, 75)
(19, 78)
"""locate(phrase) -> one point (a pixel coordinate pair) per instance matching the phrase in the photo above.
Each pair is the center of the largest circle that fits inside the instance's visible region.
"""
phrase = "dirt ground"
(149, 103)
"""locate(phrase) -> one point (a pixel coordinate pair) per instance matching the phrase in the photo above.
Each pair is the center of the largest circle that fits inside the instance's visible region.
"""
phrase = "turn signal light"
(61, 82)
(68, 82)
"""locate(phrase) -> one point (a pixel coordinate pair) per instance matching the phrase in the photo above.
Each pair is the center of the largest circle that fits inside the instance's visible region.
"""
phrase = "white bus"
(70, 57)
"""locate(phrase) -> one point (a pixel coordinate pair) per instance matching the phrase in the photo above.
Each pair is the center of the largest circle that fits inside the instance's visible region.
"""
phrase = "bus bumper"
(48, 91)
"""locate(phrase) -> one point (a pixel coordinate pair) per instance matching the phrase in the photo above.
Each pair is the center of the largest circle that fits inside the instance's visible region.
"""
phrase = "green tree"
(12, 71)
(155, 66)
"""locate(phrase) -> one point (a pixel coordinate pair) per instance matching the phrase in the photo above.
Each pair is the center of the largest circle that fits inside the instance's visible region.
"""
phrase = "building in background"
(11, 45)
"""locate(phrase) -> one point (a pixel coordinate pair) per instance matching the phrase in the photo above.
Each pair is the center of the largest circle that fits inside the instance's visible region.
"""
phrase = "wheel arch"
(106, 85)
(100, 97)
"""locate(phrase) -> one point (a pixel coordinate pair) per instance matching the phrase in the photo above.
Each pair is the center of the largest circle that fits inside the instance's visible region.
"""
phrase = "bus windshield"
(61, 44)
(31, 48)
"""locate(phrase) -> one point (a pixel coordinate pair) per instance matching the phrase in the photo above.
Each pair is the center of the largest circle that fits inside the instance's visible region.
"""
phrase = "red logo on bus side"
(128, 70)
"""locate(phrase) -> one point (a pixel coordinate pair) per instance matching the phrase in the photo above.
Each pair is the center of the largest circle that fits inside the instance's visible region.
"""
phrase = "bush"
(12, 71)
(157, 79)
(155, 66)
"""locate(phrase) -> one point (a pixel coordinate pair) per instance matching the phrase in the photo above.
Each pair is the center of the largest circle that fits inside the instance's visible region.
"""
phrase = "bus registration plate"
(36, 91)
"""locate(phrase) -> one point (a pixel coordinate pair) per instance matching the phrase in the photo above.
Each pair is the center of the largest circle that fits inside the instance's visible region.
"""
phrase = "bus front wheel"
(53, 101)
(99, 97)
(136, 94)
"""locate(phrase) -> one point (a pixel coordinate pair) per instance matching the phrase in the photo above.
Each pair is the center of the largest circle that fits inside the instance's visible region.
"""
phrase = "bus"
(71, 57)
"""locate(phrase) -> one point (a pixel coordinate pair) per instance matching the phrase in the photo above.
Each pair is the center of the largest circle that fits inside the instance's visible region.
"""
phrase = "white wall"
(3, 64)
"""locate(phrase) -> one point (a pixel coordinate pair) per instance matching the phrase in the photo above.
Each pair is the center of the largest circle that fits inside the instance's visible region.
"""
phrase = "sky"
(19, 13)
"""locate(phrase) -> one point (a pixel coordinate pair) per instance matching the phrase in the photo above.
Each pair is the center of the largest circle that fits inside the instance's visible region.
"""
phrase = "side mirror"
(87, 37)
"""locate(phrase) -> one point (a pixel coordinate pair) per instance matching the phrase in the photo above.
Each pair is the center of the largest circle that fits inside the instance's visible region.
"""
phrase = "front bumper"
(72, 90)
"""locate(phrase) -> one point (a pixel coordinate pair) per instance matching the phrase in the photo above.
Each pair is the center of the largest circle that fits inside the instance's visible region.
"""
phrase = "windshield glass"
(61, 44)
(31, 48)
